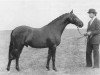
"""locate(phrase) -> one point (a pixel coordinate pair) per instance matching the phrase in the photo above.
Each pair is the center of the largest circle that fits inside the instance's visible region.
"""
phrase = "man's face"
(91, 15)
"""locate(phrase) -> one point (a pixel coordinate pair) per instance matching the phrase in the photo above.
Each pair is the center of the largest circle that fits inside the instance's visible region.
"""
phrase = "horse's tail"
(11, 46)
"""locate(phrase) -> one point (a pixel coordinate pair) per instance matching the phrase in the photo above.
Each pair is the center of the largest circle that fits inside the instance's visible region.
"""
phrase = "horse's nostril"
(81, 26)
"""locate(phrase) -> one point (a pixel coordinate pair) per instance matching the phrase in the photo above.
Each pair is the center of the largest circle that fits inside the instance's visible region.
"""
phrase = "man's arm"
(97, 28)
(88, 26)
(86, 34)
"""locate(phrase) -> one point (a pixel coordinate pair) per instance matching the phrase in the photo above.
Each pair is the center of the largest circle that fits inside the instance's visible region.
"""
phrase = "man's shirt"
(91, 21)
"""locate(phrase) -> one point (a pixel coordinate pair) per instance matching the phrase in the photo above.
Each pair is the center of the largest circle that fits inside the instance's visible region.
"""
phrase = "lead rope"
(82, 35)
(79, 31)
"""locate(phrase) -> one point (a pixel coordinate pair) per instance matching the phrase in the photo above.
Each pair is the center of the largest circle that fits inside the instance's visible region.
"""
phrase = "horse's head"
(75, 20)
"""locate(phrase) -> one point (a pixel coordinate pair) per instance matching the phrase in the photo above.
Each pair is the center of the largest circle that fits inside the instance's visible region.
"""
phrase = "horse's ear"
(71, 12)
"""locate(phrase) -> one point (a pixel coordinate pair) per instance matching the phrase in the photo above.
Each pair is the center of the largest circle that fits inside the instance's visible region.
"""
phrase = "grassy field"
(70, 57)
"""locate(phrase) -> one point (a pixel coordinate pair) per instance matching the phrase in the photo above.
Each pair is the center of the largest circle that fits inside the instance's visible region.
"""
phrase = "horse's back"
(21, 29)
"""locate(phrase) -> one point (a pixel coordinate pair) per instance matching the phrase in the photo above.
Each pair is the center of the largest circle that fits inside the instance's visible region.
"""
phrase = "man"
(93, 40)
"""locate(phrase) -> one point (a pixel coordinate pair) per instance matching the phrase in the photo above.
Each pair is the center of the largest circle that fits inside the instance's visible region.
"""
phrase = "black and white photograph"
(49, 37)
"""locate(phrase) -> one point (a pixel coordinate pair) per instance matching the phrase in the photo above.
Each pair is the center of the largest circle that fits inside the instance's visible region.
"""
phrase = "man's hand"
(87, 34)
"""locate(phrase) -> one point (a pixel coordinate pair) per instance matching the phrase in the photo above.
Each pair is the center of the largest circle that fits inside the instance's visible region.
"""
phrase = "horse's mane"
(58, 18)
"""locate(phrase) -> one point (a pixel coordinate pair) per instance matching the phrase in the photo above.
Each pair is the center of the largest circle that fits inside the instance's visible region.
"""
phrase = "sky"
(37, 13)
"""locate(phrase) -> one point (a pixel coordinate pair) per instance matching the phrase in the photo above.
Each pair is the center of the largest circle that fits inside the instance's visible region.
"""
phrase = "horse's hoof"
(17, 69)
(8, 69)
(55, 69)
(47, 68)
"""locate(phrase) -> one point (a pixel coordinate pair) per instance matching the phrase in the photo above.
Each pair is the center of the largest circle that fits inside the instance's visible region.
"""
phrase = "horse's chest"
(56, 40)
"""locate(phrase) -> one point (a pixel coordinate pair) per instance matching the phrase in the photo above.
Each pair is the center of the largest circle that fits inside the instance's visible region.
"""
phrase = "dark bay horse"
(48, 36)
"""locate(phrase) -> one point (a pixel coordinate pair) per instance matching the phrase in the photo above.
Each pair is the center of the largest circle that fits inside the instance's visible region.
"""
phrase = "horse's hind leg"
(17, 64)
(17, 57)
(10, 58)
(9, 63)
(48, 59)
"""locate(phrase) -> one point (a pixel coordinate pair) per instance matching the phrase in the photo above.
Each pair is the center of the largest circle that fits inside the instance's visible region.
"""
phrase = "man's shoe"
(88, 65)
(95, 66)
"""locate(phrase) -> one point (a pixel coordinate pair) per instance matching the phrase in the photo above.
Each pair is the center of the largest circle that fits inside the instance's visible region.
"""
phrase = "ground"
(70, 57)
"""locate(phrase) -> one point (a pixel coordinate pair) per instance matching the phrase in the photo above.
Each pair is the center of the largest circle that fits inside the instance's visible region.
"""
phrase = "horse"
(48, 36)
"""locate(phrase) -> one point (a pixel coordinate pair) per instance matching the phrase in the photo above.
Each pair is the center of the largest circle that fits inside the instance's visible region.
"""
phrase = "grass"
(70, 57)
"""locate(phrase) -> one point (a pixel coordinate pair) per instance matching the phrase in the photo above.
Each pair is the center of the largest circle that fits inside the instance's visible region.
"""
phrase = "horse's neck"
(59, 27)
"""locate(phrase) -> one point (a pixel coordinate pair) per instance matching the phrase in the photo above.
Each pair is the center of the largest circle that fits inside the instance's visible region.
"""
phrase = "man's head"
(92, 13)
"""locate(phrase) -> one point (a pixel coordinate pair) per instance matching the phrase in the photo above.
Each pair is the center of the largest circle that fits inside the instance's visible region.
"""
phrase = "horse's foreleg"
(48, 59)
(53, 58)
